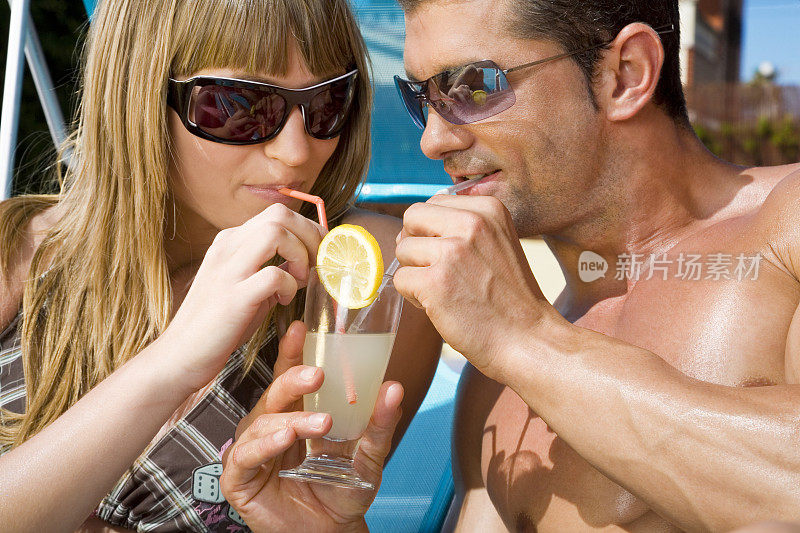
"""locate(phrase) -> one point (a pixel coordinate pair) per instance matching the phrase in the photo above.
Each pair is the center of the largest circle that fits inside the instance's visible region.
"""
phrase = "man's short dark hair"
(579, 24)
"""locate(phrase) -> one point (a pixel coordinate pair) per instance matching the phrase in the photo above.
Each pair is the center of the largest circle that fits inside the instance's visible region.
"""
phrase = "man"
(660, 393)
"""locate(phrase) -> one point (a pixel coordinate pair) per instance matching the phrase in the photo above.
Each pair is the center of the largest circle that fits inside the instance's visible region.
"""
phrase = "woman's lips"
(270, 193)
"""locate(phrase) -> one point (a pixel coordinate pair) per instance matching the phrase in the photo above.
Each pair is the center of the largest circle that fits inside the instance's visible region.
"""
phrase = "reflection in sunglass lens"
(242, 112)
(326, 109)
(470, 93)
(460, 96)
(236, 114)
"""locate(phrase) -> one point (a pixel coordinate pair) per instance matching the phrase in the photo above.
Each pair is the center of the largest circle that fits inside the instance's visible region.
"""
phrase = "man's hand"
(463, 263)
(268, 440)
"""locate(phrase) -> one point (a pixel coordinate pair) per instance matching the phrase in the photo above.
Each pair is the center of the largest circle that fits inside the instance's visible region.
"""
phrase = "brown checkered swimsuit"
(174, 484)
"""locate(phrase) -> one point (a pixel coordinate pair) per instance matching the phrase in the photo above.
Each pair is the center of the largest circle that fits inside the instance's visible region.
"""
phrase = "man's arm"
(703, 456)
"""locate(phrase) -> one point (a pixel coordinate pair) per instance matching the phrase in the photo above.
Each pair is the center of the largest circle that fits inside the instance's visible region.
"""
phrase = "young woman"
(139, 304)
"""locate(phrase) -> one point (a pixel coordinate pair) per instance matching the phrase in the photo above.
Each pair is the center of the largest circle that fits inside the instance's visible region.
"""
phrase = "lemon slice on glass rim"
(350, 250)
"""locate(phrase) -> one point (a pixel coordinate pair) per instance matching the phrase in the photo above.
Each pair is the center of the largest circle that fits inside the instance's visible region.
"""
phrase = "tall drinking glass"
(354, 361)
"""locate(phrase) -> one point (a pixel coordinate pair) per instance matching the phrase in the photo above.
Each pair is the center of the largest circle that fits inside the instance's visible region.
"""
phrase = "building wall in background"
(711, 40)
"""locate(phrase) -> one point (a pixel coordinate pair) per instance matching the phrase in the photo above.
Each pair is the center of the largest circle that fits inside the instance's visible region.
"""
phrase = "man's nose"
(440, 137)
(292, 145)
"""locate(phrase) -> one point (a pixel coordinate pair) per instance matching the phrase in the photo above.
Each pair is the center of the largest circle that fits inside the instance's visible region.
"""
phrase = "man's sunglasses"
(231, 111)
(472, 92)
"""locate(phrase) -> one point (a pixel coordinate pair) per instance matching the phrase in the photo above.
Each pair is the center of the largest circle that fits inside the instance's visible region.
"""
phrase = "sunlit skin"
(213, 183)
(541, 155)
(225, 220)
(217, 186)
(682, 415)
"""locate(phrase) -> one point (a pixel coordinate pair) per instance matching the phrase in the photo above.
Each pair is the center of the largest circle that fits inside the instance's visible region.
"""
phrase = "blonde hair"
(98, 289)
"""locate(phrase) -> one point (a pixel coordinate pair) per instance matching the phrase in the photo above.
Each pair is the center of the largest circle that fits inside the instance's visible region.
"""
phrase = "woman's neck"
(187, 237)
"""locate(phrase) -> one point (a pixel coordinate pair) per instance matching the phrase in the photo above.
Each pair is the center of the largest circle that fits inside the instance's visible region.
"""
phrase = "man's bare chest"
(720, 327)
(723, 320)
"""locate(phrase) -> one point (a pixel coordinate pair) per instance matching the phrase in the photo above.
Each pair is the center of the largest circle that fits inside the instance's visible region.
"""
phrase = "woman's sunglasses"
(471, 92)
(231, 111)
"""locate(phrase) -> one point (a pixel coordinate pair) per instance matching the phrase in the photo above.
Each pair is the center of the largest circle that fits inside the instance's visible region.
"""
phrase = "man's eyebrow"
(442, 68)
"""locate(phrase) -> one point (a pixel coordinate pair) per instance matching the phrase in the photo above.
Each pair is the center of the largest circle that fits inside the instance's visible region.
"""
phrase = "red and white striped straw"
(319, 202)
(339, 310)
(340, 322)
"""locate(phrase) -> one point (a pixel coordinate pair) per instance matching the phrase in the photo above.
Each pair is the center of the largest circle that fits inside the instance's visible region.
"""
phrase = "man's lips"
(464, 176)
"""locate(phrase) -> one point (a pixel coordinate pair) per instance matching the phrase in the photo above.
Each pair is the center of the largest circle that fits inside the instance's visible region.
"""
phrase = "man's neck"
(652, 202)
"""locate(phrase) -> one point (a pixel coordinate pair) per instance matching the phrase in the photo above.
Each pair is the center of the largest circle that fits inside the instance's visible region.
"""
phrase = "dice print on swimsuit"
(233, 515)
(205, 483)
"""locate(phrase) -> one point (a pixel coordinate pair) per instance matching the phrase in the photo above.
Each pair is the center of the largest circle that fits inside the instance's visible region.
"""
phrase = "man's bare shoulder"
(782, 203)
(779, 214)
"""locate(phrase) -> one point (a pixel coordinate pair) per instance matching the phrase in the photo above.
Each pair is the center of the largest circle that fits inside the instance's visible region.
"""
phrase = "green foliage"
(726, 130)
(786, 139)
(708, 139)
(767, 141)
(763, 127)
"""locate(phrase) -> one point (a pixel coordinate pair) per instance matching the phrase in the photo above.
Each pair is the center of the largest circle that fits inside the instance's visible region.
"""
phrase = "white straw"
(394, 265)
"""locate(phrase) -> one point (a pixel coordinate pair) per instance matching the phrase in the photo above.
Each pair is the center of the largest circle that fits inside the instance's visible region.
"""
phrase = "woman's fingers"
(267, 438)
(290, 387)
(290, 348)
(271, 282)
(277, 230)
(261, 240)
(308, 233)
(377, 439)
(284, 394)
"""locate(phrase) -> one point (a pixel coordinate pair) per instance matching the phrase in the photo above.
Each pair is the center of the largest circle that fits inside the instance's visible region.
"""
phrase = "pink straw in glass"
(339, 311)
(319, 202)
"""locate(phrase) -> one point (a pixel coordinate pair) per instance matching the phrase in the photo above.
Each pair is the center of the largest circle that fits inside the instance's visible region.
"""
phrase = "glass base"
(329, 471)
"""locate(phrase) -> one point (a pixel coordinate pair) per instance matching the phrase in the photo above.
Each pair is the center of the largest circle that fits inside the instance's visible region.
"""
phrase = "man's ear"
(630, 71)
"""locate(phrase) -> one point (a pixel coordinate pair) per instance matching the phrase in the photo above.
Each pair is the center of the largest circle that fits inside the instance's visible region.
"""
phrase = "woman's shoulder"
(27, 239)
(384, 227)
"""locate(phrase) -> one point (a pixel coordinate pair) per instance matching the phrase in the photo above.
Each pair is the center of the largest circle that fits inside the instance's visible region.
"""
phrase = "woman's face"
(217, 186)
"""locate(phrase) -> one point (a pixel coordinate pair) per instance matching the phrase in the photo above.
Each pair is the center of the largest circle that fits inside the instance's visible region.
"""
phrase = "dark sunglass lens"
(410, 93)
(327, 110)
(471, 93)
(235, 113)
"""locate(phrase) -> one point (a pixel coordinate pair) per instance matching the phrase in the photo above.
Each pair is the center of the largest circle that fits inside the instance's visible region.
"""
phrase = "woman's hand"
(267, 441)
(232, 291)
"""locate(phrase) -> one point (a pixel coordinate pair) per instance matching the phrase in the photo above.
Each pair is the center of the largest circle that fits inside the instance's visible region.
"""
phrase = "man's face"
(544, 152)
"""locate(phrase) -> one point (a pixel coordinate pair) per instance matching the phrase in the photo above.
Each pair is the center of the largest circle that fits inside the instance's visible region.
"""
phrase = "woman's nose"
(292, 145)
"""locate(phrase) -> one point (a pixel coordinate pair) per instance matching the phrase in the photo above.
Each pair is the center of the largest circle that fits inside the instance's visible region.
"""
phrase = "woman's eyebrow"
(271, 81)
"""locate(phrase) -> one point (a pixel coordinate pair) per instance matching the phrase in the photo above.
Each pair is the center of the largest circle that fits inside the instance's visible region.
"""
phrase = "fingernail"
(281, 436)
(318, 420)
(395, 393)
(308, 374)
